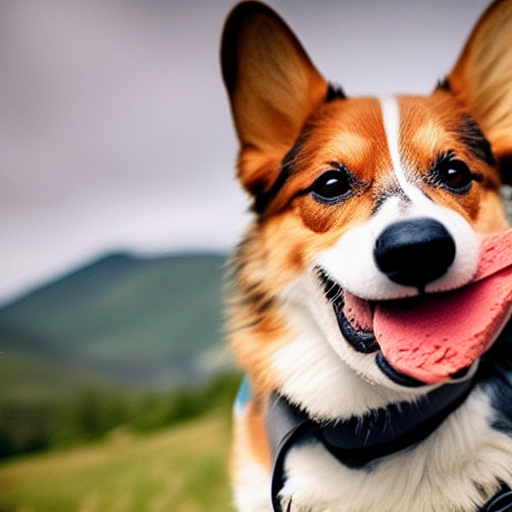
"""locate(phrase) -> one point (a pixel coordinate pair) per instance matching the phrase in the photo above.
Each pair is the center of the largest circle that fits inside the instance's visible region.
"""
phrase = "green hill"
(121, 319)
(121, 324)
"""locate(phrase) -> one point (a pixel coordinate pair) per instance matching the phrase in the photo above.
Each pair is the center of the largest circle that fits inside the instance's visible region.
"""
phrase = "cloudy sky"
(114, 125)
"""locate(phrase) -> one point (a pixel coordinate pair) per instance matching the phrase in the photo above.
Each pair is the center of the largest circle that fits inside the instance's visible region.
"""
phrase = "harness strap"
(500, 502)
(287, 426)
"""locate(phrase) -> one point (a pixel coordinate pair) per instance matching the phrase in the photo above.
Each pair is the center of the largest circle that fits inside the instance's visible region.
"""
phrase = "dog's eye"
(455, 176)
(332, 186)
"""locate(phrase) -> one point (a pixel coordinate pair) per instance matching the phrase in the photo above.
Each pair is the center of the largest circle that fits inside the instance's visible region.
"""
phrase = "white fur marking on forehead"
(391, 120)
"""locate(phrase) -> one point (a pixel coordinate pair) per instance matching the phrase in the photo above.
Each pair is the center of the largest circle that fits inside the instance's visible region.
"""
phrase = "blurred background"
(118, 209)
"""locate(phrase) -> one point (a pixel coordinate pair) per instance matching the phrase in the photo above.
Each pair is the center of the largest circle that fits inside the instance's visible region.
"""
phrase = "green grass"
(181, 469)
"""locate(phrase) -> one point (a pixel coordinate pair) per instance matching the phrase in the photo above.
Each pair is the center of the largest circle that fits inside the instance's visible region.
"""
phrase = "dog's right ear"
(273, 88)
(482, 80)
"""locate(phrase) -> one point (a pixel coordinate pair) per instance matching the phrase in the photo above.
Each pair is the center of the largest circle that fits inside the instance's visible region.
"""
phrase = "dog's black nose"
(414, 252)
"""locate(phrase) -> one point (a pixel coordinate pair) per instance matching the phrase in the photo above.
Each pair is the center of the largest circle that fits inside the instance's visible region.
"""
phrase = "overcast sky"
(114, 125)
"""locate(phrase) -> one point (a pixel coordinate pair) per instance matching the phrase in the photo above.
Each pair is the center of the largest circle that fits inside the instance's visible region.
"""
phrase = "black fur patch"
(263, 199)
(471, 135)
(506, 169)
(444, 85)
(496, 378)
(334, 92)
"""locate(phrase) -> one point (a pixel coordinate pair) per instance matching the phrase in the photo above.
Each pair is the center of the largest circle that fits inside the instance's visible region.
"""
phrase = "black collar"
(359, 441)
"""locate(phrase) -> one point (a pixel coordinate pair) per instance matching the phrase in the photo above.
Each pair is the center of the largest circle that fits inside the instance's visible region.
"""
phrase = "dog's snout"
(414, 252)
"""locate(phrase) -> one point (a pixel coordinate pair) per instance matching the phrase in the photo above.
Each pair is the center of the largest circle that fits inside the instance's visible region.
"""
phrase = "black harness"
(359, 442)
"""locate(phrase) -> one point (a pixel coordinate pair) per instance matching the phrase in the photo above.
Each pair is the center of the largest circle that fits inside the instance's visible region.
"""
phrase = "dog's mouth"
(357, 329)
(430, 338)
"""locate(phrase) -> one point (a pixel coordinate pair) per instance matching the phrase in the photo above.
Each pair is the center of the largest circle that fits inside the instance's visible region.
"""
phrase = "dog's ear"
(273, 88)
(482, 80)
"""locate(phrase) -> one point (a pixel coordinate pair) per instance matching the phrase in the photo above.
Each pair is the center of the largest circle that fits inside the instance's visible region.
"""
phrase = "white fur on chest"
(454, 470)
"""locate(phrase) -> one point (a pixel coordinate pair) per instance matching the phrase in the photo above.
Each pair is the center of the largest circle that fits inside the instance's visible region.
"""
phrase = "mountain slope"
(122, 319)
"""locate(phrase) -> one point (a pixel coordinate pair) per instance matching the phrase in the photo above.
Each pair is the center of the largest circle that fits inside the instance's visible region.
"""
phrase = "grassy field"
(181, 469)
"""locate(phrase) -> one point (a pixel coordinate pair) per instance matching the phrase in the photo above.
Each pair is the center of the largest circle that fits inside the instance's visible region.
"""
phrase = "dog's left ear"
(273, 88)
(482, 80)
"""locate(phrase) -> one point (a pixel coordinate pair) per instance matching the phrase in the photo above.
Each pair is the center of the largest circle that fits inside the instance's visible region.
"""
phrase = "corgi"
(371, 295)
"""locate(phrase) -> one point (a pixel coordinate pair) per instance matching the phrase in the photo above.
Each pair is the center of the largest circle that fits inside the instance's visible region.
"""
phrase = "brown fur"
(290, 134)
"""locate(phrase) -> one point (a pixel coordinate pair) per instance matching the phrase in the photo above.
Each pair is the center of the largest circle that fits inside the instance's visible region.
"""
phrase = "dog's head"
(369, 213)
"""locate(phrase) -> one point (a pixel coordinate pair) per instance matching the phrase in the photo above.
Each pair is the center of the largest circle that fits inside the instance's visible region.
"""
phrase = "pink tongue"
(447, 332)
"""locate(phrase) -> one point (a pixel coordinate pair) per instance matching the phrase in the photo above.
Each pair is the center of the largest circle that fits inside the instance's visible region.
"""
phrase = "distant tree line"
(93, 412)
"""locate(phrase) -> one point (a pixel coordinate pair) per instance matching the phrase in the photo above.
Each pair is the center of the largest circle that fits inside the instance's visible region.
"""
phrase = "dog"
(372, 293)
